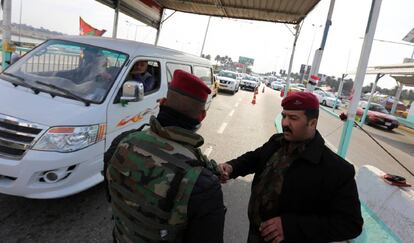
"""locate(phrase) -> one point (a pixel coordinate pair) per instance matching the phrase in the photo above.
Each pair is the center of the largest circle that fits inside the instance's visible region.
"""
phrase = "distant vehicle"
(271, 79)
(298, 85)
(378, 115)
(327, 98)
(277, 85)
(249, 83)
(390, 101)
(292, 89)
(228, 81)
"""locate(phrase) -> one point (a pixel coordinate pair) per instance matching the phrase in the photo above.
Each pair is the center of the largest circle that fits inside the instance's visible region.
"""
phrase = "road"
(233, 126)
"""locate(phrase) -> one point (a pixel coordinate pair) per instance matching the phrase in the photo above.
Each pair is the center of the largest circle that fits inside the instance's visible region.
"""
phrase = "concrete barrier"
(385, 204)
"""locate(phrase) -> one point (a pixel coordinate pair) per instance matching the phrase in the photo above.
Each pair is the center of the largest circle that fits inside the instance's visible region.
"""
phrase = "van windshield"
(62, 67)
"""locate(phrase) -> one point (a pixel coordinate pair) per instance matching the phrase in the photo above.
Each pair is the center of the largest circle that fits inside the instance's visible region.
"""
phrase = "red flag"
(86, 29)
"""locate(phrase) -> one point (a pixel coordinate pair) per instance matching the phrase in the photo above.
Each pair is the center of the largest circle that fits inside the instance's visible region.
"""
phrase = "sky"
(270, 44)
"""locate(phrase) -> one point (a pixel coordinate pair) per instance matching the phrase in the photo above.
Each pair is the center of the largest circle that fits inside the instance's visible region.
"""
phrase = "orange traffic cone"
(254, 99)
(263, 89)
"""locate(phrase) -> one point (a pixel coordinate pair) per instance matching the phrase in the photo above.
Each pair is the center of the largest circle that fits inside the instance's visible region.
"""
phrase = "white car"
(228, 81)
(249, 83)
(327, 98)
(277, 85)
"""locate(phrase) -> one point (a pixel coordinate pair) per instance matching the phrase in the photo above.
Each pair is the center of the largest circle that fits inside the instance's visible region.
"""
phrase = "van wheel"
(324, 102)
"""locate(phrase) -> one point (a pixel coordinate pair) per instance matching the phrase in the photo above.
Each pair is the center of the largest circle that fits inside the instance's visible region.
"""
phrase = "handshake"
(225, 172)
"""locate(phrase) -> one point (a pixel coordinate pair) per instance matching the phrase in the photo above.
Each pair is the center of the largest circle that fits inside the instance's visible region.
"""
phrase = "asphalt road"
(233, 126)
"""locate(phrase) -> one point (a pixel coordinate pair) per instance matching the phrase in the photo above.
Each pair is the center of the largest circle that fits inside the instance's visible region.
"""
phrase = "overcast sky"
(269, 44)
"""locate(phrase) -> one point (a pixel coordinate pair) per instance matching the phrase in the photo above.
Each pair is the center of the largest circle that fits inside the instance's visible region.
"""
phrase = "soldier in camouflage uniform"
(301, 191)
(162, 188)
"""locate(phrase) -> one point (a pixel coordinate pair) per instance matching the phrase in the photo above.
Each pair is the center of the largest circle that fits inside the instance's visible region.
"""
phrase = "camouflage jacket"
(151, 177)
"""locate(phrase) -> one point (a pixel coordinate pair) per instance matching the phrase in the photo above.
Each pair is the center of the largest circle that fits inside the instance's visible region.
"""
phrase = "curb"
(406, 129)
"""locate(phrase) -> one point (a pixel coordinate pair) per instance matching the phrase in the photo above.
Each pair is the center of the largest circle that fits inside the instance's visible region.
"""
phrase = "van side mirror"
(132, 91)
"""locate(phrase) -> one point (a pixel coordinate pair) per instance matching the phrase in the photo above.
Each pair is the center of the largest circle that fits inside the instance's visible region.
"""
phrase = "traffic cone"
(254, 99)
(263, 89)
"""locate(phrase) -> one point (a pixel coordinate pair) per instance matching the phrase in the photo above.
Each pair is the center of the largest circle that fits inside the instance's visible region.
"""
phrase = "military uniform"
(154, 177)
(312, 189)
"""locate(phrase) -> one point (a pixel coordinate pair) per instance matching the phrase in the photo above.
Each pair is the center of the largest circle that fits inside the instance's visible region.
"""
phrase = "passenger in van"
(140, 73)
(162, 188)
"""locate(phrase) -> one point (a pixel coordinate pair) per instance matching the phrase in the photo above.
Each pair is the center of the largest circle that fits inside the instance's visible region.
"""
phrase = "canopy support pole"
(397, 98)
(341, 86)
(157, 37)
(297, 27)
(359, 77)
(6, 45)
(116, 17)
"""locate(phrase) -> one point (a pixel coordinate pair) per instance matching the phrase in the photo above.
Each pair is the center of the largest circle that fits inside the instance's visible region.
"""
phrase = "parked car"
(62, 119)
(378, 115)
(277, 85)
(249, 83)
(327, 98)
(228, 81)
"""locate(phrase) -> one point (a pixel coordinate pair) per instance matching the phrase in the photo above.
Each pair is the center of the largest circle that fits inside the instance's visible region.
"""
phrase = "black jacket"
(319, 199)
(205, 211)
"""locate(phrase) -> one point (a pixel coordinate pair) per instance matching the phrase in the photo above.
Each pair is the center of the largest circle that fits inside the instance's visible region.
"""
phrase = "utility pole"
(319, 52)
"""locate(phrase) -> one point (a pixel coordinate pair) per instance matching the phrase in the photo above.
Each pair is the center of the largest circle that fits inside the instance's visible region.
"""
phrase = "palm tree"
(217, 59)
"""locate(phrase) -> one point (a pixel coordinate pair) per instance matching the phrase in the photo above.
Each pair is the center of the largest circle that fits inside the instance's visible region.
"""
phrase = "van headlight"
(68, 139)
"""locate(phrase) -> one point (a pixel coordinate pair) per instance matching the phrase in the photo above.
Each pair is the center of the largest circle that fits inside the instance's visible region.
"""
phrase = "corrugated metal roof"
(281, 11)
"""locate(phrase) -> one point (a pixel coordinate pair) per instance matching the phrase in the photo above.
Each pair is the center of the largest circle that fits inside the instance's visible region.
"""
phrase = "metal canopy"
(281, 11)
(403, 73)
(147, 11)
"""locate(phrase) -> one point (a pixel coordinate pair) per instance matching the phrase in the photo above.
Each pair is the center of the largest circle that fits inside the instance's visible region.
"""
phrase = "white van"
(63, 104)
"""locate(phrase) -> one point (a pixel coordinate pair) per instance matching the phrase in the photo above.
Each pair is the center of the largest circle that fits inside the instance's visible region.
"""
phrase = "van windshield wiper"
(14, 76)
(22, 82)
(66, 92)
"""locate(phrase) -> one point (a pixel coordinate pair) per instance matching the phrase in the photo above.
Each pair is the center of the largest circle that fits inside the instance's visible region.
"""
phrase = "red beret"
(189, 85)
(300, 101)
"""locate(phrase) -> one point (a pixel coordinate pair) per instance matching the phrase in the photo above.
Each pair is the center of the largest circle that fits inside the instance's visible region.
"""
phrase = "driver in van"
(140, 74)
(93, 66)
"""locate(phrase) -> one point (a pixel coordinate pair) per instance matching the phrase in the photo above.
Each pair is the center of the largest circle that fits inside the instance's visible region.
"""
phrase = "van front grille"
(17, 136)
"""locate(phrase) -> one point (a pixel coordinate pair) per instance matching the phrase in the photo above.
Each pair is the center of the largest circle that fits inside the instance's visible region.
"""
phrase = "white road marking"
(222, 127)
(237, 104)
(208, 151)
(231, 112)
